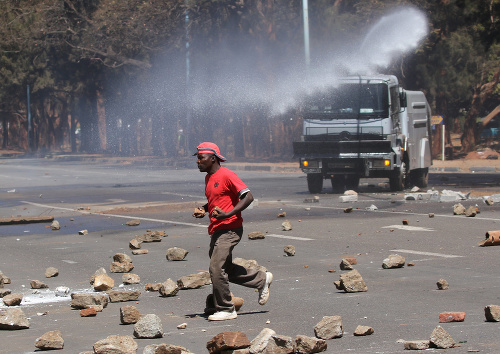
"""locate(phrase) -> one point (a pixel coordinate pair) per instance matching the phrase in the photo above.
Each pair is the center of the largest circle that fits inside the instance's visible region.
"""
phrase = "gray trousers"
(223, 270)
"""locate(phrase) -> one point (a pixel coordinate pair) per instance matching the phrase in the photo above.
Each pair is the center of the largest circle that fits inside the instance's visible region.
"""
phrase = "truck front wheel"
(315, 182)
(397, 181)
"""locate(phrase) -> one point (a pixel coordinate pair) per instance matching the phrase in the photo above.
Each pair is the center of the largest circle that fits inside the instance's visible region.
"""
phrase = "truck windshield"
(349, 101)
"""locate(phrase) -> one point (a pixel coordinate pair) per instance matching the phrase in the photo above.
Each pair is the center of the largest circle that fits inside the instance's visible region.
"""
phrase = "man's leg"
(221, 246)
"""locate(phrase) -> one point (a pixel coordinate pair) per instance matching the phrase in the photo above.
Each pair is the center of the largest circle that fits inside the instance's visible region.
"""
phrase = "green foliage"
(75, 47)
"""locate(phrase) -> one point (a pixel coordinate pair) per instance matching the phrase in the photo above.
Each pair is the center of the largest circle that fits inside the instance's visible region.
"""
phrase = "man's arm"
(245, 200)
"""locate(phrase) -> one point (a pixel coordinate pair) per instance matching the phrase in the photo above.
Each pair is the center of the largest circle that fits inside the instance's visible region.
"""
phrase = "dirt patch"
(138, 210)
(487, 154)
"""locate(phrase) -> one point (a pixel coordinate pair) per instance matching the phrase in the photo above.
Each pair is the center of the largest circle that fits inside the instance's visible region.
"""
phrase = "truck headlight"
(381, 163)
(310, 164)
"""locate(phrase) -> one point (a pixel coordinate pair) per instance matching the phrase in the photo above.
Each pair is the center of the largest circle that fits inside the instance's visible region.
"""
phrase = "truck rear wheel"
(420, 177)
(351, 182)
(315, 182)
(397, 181)
(338, 183)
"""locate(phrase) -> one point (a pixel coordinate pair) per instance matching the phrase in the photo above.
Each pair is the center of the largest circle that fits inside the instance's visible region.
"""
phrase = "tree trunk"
(101, 119)
(5, 132)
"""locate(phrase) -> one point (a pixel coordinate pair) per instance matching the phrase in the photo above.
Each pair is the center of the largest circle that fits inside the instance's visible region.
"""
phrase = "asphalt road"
(400, 304)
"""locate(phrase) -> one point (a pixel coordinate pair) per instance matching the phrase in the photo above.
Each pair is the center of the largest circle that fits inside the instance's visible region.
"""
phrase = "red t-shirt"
(224, 189)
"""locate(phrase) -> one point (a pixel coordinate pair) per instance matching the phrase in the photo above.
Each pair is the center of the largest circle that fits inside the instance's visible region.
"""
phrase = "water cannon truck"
(365, 127)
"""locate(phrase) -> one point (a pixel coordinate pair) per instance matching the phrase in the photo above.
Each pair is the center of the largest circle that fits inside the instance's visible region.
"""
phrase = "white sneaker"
(264, 291)
(223, 315)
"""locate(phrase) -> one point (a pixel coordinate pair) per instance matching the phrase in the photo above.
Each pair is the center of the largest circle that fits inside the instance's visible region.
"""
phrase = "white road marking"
(312, 206)
(408, 228)
(118, 216)
(290, 237)
(428, 253)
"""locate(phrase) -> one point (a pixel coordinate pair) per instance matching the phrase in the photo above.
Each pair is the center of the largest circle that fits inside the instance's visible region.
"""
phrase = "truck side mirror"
(402, 99)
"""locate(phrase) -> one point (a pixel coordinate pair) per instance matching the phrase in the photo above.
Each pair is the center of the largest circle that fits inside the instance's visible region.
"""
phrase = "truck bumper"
(364, 159)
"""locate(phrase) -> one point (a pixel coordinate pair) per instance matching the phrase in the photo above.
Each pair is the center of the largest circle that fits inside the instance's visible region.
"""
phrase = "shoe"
(264, 291)
(223, 315)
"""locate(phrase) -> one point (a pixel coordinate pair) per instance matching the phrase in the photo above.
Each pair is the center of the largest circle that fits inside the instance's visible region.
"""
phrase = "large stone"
(121, 267)
(351, 282)
(12, 299)
(471, 211)
(363, 330)
(329, 327)
(308, 345)
(492, 313)
(121, 258)
(286, 226)
(289, 250)
(50, 340)
(55, 225)
(176, 254)
(169, 288)
(393, 261)
(148, 326)
(129, 314)
(123, 295)
(441, 339)
(345, 265)
(97, 272)
(258, 344)
(249, 264)
(13, 318)
(445, 317)
(90, 312)
(237, 302)
(4, 292)
(37, 284)
(153, 236)
(165, 349)
(458, 209)
(139, 252)
(84, 300)
(134, 244)
(1, 283)
(256, 235)
(103, 282)
(135, 222)
(279, 344)
(194, 281)
(442, 284)
(51, 272)
(6, 279)
(116, 345)
(227, 341)
(416, 344)
(130, 278)
(153, 286)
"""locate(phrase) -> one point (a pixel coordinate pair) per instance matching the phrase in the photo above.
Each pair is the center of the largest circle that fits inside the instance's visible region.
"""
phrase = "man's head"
(209, 157)
(209, 148)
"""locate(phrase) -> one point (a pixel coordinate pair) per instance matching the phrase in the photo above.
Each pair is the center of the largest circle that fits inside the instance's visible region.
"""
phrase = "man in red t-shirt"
(227, 197)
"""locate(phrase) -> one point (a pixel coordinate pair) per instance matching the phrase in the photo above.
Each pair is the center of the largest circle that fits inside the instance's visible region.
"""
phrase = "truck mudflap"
(335, 149)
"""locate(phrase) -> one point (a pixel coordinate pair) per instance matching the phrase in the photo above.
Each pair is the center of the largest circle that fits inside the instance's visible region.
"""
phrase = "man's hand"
(199, 212)
(218, 213)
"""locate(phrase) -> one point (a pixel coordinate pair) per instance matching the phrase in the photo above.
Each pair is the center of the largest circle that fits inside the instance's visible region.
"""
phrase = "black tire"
(338, 183)
(397, 181)
(315, 182)
(420, 177)
(351, 182)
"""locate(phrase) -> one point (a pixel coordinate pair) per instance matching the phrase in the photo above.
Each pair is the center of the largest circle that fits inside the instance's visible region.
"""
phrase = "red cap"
(209, 148)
